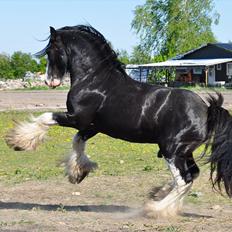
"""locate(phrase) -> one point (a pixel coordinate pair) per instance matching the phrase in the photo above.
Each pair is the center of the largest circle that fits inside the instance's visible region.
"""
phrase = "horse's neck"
(78, 73)
(92, 70)
(81, 72)
(95, 78)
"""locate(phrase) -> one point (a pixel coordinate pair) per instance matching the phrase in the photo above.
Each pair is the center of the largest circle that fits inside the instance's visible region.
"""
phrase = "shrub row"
(16, 65)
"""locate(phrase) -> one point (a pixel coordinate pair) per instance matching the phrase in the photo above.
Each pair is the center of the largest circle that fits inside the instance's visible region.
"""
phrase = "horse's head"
(81, 51)
(56, 60)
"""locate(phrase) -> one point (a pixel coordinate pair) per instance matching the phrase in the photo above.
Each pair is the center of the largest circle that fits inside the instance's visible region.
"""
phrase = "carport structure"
(186, 70)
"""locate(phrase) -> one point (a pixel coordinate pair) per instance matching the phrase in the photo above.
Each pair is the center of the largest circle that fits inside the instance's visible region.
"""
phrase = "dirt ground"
(106, 203)
(32, 100)
(103, 203)
(55, 99)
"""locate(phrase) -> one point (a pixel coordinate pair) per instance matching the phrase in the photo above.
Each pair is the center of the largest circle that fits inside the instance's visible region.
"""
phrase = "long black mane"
(98, 41)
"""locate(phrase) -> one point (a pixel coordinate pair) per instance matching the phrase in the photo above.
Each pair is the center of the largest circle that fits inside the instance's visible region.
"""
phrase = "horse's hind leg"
(192, 167)
(189, 171)
(78, 164)
(171, 204)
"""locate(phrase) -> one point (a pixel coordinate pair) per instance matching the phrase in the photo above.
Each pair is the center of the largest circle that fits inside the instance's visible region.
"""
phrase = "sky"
(25, 22)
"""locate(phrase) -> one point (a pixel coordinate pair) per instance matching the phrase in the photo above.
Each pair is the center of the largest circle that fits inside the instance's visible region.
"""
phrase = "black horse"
(103, 98)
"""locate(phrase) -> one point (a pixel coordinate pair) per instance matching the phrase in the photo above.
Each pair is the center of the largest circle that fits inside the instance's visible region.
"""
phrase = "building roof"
(182, 63)
(180, 56)
(225, 46)
(178, 61)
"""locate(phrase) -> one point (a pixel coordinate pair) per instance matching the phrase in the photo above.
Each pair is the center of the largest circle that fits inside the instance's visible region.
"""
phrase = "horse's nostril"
(46, 82)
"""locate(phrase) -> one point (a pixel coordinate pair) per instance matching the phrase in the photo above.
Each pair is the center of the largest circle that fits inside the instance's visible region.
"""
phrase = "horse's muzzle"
(53, 83)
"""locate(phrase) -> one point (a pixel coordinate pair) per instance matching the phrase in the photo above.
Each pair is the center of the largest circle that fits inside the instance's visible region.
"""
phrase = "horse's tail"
(220, 130)
(27, 135)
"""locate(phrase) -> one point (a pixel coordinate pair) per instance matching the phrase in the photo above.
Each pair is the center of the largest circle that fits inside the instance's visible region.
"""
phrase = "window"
(197, 71)
(219, 66)
(229, 69)
(182, 70)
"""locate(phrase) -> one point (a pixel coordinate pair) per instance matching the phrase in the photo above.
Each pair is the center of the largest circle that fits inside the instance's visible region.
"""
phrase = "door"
(211, 75)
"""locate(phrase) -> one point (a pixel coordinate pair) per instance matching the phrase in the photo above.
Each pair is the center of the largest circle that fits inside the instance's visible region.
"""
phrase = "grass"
(206, 89)
(37, 88)
(13, 223)
(196, 88)
(114, 157)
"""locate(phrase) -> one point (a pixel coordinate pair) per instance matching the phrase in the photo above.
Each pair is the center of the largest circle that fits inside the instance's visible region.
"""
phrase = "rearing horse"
(103, 98)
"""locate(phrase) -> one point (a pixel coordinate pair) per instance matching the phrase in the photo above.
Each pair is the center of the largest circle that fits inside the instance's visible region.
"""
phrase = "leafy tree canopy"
(15, 66)
(5, 66)
(123, 56)
(140, 56)
(171, 27)
(21, 63)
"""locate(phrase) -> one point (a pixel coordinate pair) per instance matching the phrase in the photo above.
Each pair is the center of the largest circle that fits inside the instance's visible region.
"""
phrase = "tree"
(171, 27)
(21, 63)
(16, 66)
(140, 56)
(5, 67)
(123, 56)
(42, 64)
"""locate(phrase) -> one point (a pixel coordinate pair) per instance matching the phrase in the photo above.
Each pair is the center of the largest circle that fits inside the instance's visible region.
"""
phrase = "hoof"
(77, 174)
(78, 179)
(158, 193)
(155, 209)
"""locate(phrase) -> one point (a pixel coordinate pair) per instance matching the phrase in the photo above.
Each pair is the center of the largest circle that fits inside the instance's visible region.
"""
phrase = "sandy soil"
(32, 100)
(55, 99)
(101, 204)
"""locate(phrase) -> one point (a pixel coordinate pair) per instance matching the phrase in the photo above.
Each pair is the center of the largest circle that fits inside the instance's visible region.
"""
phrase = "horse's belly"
(132, 138)
(127, 125)
(136, 135)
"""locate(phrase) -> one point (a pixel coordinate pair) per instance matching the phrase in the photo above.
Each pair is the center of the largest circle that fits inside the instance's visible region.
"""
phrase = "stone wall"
(24, 84)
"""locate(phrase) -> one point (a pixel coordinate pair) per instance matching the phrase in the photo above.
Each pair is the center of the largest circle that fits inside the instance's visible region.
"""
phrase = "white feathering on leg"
(28, 135)
(171, 204)
(78, 164)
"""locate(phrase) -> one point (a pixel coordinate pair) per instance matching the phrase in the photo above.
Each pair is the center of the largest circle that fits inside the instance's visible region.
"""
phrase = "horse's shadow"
(194, 215)
(84, 208)
(57, 207)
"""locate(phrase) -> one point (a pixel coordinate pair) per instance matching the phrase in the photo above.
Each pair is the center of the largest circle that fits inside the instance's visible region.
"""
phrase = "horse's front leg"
(78, 164)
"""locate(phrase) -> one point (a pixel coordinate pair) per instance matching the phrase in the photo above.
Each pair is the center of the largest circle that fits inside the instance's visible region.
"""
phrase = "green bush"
(15, 66)
(5, 67)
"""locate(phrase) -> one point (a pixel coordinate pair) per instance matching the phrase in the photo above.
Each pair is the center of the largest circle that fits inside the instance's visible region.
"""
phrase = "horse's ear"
(52, 32)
